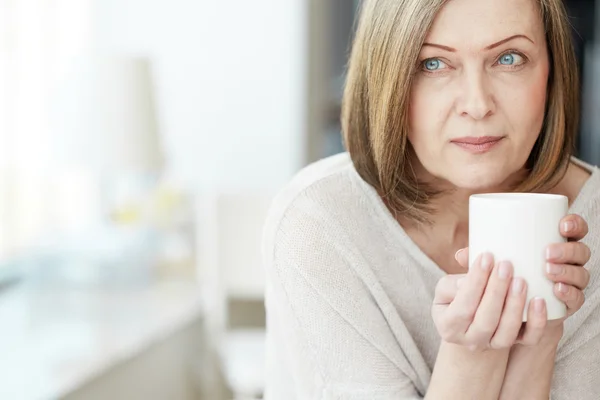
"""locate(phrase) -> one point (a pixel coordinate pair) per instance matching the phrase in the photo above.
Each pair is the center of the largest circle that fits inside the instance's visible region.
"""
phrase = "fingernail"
(457, 253)
(553, 252)
(554, 269)
(486, 261)
(504, 270)
(568, 226)
(517, 286)
(564, 289)
(539, 305)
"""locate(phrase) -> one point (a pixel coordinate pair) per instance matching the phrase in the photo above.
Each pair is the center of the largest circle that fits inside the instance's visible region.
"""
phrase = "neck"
(449, 227)
(450, 218)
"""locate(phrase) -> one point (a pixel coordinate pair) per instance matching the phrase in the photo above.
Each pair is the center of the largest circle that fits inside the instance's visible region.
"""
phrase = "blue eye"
(510, 59)
(433, 64)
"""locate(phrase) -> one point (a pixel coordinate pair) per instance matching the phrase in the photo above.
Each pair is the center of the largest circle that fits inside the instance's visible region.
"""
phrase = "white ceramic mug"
(517, 227)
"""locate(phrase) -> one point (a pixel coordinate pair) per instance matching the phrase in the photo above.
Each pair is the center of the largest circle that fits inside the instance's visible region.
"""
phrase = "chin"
(479, 179)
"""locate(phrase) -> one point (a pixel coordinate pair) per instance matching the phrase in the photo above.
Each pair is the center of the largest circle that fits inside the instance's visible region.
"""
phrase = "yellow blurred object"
(166, 209)
(127, 215)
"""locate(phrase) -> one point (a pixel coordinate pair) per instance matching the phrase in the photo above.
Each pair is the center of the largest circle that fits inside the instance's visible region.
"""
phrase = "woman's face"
(478, 100)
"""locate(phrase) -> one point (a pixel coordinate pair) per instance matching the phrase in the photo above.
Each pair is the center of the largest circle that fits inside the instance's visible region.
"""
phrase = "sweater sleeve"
(327, 338)
(577, 368)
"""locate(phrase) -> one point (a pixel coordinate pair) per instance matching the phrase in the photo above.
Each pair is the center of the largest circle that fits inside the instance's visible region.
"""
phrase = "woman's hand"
(483, 309)
(565, 268)
(566, 261)
(529, 369)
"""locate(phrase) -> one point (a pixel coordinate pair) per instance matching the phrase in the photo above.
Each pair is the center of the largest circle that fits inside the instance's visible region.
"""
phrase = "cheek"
(427, 111)
(526, 107)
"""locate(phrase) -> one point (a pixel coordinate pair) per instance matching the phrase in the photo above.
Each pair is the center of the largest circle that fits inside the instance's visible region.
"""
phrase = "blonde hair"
(376, 98)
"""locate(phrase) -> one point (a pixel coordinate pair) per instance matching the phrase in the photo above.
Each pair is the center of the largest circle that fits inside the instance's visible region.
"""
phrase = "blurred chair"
(230, 270)
(242, 356)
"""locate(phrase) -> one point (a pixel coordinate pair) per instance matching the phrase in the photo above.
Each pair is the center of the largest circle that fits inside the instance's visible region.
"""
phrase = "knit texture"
(349, 295)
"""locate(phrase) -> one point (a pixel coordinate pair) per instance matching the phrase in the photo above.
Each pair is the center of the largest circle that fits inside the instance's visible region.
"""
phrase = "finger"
(573, 275)
(446, 289)
(490, 308)
(462, 257)
(571, 296)
(573, 227)
(568, 253)
(512, 316)
(462, 310)
(536, 322)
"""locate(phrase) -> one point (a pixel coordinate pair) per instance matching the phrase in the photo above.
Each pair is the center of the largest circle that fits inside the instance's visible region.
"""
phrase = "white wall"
(231, 83)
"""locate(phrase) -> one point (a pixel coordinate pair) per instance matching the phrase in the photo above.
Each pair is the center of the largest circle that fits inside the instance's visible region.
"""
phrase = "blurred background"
(141, 142)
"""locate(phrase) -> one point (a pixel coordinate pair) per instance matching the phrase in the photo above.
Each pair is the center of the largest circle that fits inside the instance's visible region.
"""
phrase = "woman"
(367, 296)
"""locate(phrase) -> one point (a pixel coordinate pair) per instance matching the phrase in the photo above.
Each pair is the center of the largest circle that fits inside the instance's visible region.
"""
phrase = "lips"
(477, 140)
(477, 145)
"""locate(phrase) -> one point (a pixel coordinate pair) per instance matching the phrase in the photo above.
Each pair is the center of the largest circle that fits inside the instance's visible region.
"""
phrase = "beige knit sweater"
(349, 294)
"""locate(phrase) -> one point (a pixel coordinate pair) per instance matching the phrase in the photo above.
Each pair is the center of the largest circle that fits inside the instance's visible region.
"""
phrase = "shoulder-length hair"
(376, 98)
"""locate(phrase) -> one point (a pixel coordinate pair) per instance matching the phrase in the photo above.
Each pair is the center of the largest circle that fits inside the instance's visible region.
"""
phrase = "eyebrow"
(490, 47)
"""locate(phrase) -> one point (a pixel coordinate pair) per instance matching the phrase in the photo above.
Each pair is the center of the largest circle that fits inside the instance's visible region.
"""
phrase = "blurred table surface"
(54, 340)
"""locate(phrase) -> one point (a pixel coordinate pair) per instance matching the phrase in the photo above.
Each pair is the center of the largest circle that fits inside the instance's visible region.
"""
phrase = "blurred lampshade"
(106, 115)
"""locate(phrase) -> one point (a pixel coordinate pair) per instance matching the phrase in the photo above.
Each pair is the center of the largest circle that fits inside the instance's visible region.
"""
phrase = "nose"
(476, 99)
